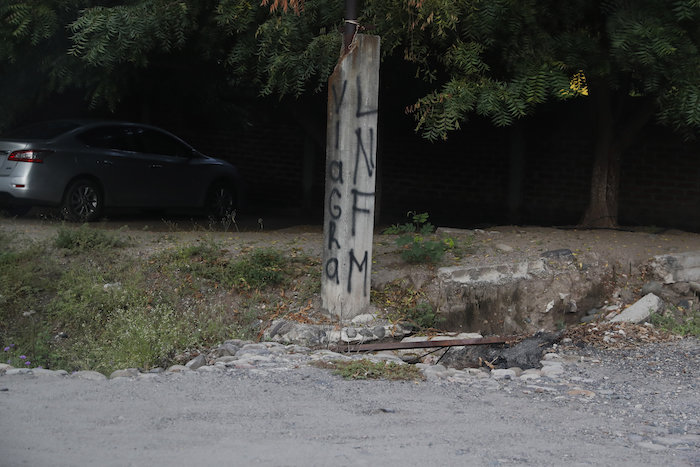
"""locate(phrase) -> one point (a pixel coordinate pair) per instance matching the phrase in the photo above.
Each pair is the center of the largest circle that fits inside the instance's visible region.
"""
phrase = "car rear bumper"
(20, 191)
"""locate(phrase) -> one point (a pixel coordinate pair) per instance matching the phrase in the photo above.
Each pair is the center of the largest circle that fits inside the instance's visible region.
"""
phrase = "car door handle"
(155, 166)
(105, 162)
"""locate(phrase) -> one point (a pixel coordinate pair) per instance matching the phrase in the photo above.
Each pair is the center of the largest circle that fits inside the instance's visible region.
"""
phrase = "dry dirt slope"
(616, 254)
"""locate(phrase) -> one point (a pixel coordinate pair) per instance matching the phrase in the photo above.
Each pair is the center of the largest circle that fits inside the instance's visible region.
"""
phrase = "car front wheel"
(83, 201)
(221, 202)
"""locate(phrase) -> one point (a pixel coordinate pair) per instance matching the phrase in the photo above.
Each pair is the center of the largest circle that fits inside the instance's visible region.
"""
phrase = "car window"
(42, 131)
(156, 142)
(110, 137)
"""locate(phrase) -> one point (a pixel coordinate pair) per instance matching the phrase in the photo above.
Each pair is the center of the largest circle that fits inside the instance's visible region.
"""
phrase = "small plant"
(419, 223)
(416, 248)
(404, 304)
(228, 220)
(85, 238)
(367, 369)
(423, 316)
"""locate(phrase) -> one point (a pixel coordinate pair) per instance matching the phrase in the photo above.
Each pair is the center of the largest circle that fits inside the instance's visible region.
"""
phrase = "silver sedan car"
(85, 166)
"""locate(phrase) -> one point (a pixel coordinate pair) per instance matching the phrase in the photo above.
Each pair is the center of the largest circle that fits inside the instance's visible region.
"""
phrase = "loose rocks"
(365, 329)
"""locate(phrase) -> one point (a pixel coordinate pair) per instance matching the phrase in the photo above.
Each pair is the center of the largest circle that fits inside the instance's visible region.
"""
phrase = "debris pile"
(615, 335)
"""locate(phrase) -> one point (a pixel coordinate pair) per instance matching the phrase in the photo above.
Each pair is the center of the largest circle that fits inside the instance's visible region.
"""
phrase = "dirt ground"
(625, 247)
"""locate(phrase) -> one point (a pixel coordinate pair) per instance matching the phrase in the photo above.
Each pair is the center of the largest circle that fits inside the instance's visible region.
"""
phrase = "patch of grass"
(367, 369)
(85, 238)
(263, 267)
(678, 321)
(127, 318)
(27, 281)
(260, 268)
(95, 307)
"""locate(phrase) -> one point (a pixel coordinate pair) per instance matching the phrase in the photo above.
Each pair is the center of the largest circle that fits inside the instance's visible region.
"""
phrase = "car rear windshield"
(44, 130)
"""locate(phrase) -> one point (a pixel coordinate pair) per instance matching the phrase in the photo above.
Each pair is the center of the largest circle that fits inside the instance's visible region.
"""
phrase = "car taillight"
(28, 155)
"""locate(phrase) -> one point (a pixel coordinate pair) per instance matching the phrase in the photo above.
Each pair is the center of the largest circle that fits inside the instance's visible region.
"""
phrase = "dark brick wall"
(660, 182)
(463, 178)
(535, 173)
(556, 175)
(269, 158)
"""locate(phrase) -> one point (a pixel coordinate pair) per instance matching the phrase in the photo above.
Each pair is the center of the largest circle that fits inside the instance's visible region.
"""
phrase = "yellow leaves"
(578, 83)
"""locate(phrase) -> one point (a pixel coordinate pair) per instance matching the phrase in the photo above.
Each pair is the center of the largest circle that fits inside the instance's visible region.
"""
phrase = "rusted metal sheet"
(422, 344)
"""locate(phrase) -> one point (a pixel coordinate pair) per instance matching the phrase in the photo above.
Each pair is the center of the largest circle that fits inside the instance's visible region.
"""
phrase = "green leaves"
(494, 58)
(686, 10)
(105, 37)
(506, 57)
(289, 54)
(680, 109)
(441, 112)
(25, 21)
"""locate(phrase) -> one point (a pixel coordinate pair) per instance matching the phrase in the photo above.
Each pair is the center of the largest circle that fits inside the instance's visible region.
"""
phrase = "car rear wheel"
(221, 202)
(83, 201)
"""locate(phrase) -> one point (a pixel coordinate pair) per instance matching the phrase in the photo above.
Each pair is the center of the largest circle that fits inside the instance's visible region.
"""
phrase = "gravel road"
(623, 407)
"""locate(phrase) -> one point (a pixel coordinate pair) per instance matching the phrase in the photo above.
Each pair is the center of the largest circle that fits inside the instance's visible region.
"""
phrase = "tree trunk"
(605, 188)
(611, 141)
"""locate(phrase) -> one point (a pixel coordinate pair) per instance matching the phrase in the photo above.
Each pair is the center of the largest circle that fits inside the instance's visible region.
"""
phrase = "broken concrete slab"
(492, 274)
(516, 297)
(640, 310)
(680, 267)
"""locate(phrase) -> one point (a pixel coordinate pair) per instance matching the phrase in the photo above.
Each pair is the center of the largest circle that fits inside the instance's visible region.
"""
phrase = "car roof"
(53, 129)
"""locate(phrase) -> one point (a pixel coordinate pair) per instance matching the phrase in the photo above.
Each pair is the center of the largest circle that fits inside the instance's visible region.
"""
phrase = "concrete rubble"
(640, 310)
(681, 267)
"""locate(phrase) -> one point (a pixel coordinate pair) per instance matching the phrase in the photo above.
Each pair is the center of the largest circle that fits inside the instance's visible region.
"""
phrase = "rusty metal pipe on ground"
(422, 344)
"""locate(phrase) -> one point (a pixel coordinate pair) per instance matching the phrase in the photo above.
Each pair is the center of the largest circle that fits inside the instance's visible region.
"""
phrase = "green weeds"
(678, 321)
(85, 238)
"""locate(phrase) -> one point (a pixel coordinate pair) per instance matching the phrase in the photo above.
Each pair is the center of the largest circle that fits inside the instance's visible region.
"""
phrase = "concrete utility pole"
(351, 144)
